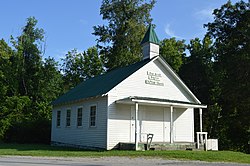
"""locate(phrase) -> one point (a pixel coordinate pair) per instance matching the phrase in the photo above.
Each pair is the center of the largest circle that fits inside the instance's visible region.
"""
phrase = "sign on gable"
(154, 79)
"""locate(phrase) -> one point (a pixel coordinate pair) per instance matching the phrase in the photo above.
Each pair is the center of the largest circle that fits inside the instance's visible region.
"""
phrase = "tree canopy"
(231, 34)
(119, 41)
(28, 85)
(217, 71)
(78, 66)
(173, 51)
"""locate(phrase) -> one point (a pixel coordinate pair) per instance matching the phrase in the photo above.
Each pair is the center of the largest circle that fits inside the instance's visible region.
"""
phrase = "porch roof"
(159, 102)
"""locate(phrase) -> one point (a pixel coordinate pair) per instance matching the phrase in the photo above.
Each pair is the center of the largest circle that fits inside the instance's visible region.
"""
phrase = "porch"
(172, 134)
(158, 146)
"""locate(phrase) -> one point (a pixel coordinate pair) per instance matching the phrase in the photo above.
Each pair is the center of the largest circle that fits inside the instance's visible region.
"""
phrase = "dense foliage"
(125, 19)
(173, 52)
(231, 34)
(28, 85)
(78, 67)
(216, 70)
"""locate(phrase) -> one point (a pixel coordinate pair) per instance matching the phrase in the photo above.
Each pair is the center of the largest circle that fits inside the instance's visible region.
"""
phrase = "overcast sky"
(68, 24)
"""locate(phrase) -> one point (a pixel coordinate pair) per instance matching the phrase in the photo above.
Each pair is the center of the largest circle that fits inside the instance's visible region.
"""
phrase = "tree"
(29, 86)
(5, 54)
(119, 41)
(73, 69)
(173, 52)
(78, 67)
(11, 104)
(198, 73)
(28, 57)
(197, 68)
(93, 63)
(8, 112)
(50, 87)
(230, 32)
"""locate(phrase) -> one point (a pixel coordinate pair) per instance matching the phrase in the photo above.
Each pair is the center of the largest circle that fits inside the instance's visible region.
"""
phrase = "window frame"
(58, 118)
(90, 117)
(68, 118)
(77, 117)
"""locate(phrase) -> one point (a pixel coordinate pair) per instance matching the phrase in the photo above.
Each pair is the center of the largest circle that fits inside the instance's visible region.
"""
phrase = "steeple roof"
(150, 36)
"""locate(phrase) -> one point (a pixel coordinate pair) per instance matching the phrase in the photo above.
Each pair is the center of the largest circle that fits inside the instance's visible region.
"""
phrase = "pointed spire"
(150, 44)
(150, 36)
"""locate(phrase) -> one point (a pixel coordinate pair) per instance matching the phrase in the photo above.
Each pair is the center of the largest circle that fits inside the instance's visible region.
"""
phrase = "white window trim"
(95, 115)
(69, 118)
(77, 117)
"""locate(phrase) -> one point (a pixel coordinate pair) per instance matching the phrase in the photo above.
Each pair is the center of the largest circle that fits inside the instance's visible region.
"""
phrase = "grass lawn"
(48, 151)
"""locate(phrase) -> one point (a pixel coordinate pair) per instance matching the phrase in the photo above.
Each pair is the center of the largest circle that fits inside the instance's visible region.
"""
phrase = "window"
(58, 119)
(79, 117)
(92, 116)
(68, 118)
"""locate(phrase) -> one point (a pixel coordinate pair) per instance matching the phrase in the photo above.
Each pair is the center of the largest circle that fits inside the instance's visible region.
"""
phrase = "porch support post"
(201, 136)
(200, 113)
(136, 126)
(171, 125)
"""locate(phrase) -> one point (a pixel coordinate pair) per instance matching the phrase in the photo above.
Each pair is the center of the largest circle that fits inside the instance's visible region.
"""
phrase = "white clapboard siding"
(135, 85)
(151, 120)
(183, 125)
(85, 135)
(118, 123)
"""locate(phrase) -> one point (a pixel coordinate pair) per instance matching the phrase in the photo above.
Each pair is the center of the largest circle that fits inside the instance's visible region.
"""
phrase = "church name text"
(154, 79)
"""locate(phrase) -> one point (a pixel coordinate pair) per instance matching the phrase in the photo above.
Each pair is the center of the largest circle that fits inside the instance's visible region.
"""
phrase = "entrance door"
(132, 124)
(166, 125)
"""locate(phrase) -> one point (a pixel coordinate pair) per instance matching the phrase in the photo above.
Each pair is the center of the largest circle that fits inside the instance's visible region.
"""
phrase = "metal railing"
(201, 140)
(149, 140)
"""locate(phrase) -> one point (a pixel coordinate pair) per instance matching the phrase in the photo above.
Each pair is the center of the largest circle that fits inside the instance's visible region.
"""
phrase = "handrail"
(200, 139)
(149, 140)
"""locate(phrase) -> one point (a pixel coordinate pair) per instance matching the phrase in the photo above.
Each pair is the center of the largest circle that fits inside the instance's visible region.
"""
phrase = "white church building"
(145, 101)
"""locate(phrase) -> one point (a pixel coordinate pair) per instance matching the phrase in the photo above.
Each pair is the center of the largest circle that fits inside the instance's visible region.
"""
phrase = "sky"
(68, 24)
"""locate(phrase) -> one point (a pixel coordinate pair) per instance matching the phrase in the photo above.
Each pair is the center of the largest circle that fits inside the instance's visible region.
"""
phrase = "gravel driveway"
(104, 161)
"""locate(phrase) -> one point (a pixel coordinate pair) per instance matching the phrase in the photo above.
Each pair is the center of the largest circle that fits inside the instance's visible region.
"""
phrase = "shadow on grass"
(41, 147)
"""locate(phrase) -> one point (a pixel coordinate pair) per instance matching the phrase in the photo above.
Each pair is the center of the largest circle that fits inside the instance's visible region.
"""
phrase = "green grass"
(48, 151)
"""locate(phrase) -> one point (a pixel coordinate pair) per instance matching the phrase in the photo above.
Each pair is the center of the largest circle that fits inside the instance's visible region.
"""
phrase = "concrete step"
(174, 146)
(158, 146)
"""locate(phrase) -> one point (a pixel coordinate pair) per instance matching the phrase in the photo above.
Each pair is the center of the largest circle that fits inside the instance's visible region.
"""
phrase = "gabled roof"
(150, 36)
(99, 85)
(102, 84)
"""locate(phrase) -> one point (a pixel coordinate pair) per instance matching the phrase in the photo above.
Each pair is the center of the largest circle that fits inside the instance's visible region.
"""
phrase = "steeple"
(150, 44)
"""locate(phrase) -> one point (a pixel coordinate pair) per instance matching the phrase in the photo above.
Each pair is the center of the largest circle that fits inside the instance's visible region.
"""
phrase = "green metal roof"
(133, 99)
(164, 100)
(99, 85)
(150, 36)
